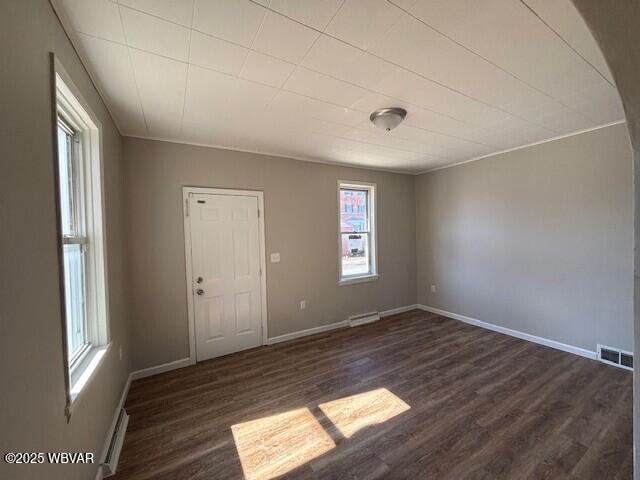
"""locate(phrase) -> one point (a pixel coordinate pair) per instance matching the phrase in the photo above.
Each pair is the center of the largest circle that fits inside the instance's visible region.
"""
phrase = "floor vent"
(615, 356)
(363, 318)
(113, 453)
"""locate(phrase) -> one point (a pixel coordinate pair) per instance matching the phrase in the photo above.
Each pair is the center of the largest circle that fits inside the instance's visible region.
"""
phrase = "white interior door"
(225, 257)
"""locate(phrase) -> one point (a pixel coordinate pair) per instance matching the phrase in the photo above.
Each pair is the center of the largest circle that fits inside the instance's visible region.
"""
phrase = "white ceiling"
(299, 78)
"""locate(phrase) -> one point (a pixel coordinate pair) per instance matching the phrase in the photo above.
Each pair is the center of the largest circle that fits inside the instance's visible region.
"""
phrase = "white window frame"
(373, 275)
(75, 111)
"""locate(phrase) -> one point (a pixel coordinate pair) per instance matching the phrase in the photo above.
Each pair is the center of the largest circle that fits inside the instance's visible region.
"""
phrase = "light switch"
(275, 257)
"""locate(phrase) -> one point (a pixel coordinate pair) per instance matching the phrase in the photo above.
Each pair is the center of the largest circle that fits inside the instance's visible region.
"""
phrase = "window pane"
(355, 254)
(353, 211)
(65, 171)
(74, 281)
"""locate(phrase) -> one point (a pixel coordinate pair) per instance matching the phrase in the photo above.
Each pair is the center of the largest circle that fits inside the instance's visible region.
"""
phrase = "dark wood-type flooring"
(482, 406)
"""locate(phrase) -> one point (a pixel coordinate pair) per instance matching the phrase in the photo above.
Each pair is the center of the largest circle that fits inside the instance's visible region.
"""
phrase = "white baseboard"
(513, 333)
(396, 311)
(308, 331)
(165, 367)
(123, 399)
(332, 326)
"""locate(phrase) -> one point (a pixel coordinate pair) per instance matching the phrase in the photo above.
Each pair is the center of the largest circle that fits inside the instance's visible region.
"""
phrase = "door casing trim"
(259, 195)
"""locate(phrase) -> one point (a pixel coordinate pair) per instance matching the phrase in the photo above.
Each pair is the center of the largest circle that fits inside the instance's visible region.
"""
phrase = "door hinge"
(186, 207)
(258, 213)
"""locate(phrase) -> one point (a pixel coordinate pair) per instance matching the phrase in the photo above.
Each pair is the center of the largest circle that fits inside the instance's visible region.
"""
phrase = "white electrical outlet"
(275, 257)
(433, 289)
(303, 304)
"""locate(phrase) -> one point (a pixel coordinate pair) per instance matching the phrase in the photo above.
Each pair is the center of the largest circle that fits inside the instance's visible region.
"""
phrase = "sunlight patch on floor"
(272, 446)
(351, 414)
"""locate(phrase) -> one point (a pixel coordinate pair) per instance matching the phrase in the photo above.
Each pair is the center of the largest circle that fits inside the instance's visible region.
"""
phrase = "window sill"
(85, 371)
(362, 279)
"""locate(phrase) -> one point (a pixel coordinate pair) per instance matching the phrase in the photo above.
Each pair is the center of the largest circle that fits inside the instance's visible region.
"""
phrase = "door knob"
(199, 280)
(200, 291)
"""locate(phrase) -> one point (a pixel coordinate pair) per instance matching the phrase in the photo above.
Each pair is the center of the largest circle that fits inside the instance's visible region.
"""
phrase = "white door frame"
(187, 248)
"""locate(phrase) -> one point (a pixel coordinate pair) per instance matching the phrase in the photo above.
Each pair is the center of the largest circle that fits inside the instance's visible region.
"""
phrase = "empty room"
(319, 239)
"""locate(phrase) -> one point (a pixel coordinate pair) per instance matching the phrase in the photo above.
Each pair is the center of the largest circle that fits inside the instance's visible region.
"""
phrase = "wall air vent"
(615, 356)
(626, 360)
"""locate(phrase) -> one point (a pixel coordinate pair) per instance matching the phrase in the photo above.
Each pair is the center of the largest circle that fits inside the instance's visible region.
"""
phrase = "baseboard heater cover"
(615, 356)
(363, 318)
(110, 463)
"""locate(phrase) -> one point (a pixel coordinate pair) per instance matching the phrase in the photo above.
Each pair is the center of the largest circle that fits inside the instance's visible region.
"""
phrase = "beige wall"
(301, 224)
(538, 240)
(32, 395)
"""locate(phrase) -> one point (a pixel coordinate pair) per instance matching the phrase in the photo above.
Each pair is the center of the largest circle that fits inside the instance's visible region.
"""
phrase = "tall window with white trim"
(74, 240)
(80, 212)
(357, 234)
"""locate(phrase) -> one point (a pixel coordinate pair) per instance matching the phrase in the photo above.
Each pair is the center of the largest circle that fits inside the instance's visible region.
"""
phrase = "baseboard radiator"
(113, 453)
(363, 318)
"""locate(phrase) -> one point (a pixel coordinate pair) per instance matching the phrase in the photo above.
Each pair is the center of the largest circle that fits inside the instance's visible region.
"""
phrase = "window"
(80, 213)
(357, 235)
(74, 240)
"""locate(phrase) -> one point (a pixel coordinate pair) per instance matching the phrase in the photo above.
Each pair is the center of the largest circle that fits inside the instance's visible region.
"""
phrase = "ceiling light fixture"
(388, 118)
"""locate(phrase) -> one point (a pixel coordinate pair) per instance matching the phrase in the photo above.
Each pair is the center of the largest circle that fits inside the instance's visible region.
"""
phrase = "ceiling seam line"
(490, 62)
(400, 66)
(567, 43)
(186, 77)
(129, 7)
(282, 88)
(322, 73)
(93, 79)
(494, 107)
(133, 69)
(360, 111)
(392, 97)
(405, 68)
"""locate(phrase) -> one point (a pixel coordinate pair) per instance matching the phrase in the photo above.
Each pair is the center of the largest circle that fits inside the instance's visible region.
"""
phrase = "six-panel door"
(225, 255)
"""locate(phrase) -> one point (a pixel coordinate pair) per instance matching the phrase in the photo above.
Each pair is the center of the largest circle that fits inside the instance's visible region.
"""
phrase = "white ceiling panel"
(217, 54)
(347, 63)
(284, 38)
(374, 101)
(322, 87)
(563, 18)
(314, 13)
(415, 89)
(300, 78)
(207, 95)
(362, 22)
(436, 122)
(508, 35)
(177, 11)
(161, 84)
(412, 44)
(141, 31)
(265, 69)
(292, 105)
(237, 21)
(99, 18)
(111, 60)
